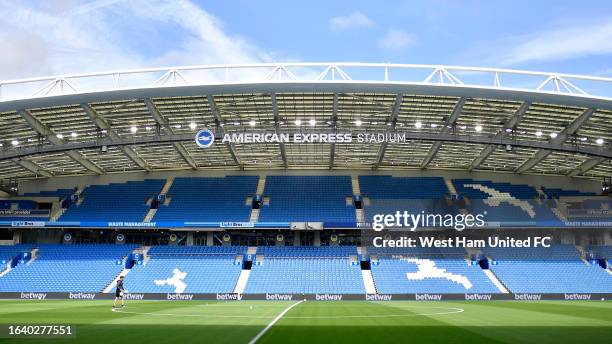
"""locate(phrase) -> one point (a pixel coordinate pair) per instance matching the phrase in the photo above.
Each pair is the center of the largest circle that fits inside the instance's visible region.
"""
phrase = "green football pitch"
(319, 322)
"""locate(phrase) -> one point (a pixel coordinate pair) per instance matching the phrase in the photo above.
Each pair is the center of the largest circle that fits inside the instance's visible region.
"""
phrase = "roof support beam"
(32, 167)
(281, 145)
(561, 137)
(103, 124)
(334, 120)
(393, 120)
(449, 121)
(512, 122)
(586, 166)
(217, 116)
(410, 135)
(46, 132)
(161, 120)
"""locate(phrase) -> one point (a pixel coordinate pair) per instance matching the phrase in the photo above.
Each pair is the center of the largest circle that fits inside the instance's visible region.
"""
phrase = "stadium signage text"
(478, 297)
(23, 212)
(313, 297)
(279, 297)
(179, 297)
(205, 138)
(577, 296)
(131, 224)
(33, 296)
(236, 224)
(229, 297)
(528, 297)
(378, 297)
(328, 297)
(82, 296)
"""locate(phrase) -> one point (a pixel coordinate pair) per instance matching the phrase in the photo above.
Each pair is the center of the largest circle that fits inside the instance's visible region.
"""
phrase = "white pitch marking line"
(262, 332)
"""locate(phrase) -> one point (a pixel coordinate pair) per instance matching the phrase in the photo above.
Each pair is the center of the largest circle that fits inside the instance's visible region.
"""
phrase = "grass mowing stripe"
(580, 309)
(262, 332)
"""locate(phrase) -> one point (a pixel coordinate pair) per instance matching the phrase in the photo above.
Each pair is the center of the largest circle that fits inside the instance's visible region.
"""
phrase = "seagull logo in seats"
(205, 138)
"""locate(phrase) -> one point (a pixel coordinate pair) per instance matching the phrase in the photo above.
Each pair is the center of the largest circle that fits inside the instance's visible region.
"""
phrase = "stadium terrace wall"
(49, 184)
(308, 297)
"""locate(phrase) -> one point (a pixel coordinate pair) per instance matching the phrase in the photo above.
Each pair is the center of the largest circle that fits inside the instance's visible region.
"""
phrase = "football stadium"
(307, 202)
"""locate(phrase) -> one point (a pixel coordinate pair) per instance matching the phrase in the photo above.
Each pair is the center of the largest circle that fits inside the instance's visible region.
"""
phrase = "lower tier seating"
(189, 269)
(552, 277)
(417, 275)
(74, 268)
(306, 275)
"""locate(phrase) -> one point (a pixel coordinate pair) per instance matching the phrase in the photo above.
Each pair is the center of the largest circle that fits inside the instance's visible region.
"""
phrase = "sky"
(49, 37)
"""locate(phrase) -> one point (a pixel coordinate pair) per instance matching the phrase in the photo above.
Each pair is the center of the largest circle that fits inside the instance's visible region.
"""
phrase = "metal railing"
(492, 78)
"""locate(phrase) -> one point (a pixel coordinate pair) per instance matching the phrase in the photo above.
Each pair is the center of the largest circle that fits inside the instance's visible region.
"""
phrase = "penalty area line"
(262, 332)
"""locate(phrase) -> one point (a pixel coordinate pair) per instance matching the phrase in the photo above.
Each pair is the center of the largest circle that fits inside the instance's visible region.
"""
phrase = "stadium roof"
(454, 118)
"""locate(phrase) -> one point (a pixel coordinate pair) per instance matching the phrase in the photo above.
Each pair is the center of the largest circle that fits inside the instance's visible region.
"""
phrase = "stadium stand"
(209, 199)
(558, 269)
(74, 268)
(387, 194)
(427, 270)
(397, 275)
(504, 202)
(190, 269)
(8, 253)
(306, 270)
(114, 202)
(308, 198)
(601, 251)
(61, 193)
(557, 193)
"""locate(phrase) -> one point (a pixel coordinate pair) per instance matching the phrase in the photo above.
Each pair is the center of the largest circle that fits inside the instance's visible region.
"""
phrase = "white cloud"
(75, 37)
(354, 20)
(396, 40)
(562, 44)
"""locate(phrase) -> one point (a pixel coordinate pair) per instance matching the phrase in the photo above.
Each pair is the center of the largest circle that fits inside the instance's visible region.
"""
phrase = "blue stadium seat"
(206, 269)
(209, 199)
(114, 202)
(307, 270)
(74, 268)
(308, 198)
(557, 269)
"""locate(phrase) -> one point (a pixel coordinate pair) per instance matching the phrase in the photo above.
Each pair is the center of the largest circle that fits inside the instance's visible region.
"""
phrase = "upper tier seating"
(590, 210)
(557, 269)
(114, 202)
(466, 187)
(61, 193)
(189, 269)
(307, 198)
(399, 275)
(22, 205)
(209, 199)
(556, 193)
(387, 194)
(74, 268)
(504, 202)
(388, 187)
